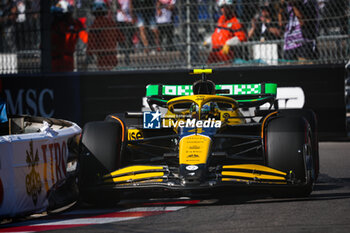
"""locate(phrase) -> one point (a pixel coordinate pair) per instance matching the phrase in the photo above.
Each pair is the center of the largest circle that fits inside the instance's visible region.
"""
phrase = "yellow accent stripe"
(251, 175)
(152, 181)
(138, 176)
(135, 169)
(255, 167)
(241, 180)
(263, 124)
(122, 124)
(236, 180)
(190, 156)
(202, 71)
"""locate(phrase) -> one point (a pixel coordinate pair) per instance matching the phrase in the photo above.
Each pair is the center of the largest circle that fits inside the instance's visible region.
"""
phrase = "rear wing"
(246, 95)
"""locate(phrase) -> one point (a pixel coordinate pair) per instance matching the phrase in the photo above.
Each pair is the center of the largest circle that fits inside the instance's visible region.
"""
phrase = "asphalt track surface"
(326, 210)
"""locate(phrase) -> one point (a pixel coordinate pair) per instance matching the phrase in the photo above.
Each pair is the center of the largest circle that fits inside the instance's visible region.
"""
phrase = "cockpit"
(201, 107)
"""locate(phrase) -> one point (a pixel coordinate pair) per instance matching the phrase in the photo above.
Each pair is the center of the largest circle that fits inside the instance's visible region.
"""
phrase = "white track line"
(84, 218)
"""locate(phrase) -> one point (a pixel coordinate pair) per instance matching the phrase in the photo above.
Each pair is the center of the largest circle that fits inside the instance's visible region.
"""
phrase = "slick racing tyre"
(310, 116)
(288, 148)
(100, 155)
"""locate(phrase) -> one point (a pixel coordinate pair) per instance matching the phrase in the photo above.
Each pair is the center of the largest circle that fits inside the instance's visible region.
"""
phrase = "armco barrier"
(83, 97)
(31, 166)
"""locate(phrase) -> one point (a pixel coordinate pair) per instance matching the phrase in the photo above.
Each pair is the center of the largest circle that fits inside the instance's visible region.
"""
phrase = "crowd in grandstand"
(122, 26)
(17, 16)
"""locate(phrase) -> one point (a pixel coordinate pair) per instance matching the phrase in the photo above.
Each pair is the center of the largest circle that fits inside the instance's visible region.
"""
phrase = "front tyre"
(288, 148)
(100, 155)
(311, 118)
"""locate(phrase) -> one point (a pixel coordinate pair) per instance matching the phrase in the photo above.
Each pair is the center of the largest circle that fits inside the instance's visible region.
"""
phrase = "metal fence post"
(188, 33)
(348, 40)
(194, 33)
(45, 21)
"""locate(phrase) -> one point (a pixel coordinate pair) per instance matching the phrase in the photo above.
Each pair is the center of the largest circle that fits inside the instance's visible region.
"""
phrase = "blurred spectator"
(125, 21)
(21, 26)
(264, 27)
(7, 26)
(33, 14)
(323, 12)
(246, 9)
(145, 13)
(333, 16)
(301, 29)
(204, 10)
(164, 19)
(229, 32)
(65, 31)
(103, 37)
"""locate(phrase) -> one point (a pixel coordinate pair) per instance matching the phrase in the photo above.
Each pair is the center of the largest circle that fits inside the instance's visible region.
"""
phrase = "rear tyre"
(288, 148)
(100, 155)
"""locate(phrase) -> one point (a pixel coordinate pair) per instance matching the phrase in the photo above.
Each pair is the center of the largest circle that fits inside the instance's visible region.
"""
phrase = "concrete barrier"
(33, 163)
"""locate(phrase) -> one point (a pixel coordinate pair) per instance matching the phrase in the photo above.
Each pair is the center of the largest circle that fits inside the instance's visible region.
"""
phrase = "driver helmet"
(222, 3)
(205, 109)
(209, 110)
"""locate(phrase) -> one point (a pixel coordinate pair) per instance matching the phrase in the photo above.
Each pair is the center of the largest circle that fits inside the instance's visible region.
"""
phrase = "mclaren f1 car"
(198, 137)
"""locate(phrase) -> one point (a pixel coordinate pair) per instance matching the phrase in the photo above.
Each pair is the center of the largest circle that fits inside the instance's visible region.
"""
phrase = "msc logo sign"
(151, 120)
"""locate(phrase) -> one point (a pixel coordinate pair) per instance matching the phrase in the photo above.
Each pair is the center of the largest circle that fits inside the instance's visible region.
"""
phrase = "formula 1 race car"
(196, 138)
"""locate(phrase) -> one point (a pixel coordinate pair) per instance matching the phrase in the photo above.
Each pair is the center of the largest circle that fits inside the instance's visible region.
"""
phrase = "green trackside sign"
(234, 89)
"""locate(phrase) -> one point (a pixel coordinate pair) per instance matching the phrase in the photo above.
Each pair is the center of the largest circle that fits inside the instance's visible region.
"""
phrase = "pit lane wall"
(31, 166)
(84, 97)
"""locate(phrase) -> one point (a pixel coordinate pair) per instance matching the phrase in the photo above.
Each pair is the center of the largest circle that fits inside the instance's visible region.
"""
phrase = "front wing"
(145, 176)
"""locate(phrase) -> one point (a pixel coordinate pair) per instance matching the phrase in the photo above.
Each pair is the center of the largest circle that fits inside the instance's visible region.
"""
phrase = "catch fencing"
(169, 34)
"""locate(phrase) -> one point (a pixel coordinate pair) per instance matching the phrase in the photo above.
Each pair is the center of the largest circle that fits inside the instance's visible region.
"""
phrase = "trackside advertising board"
(43, 95)
(30, 166)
